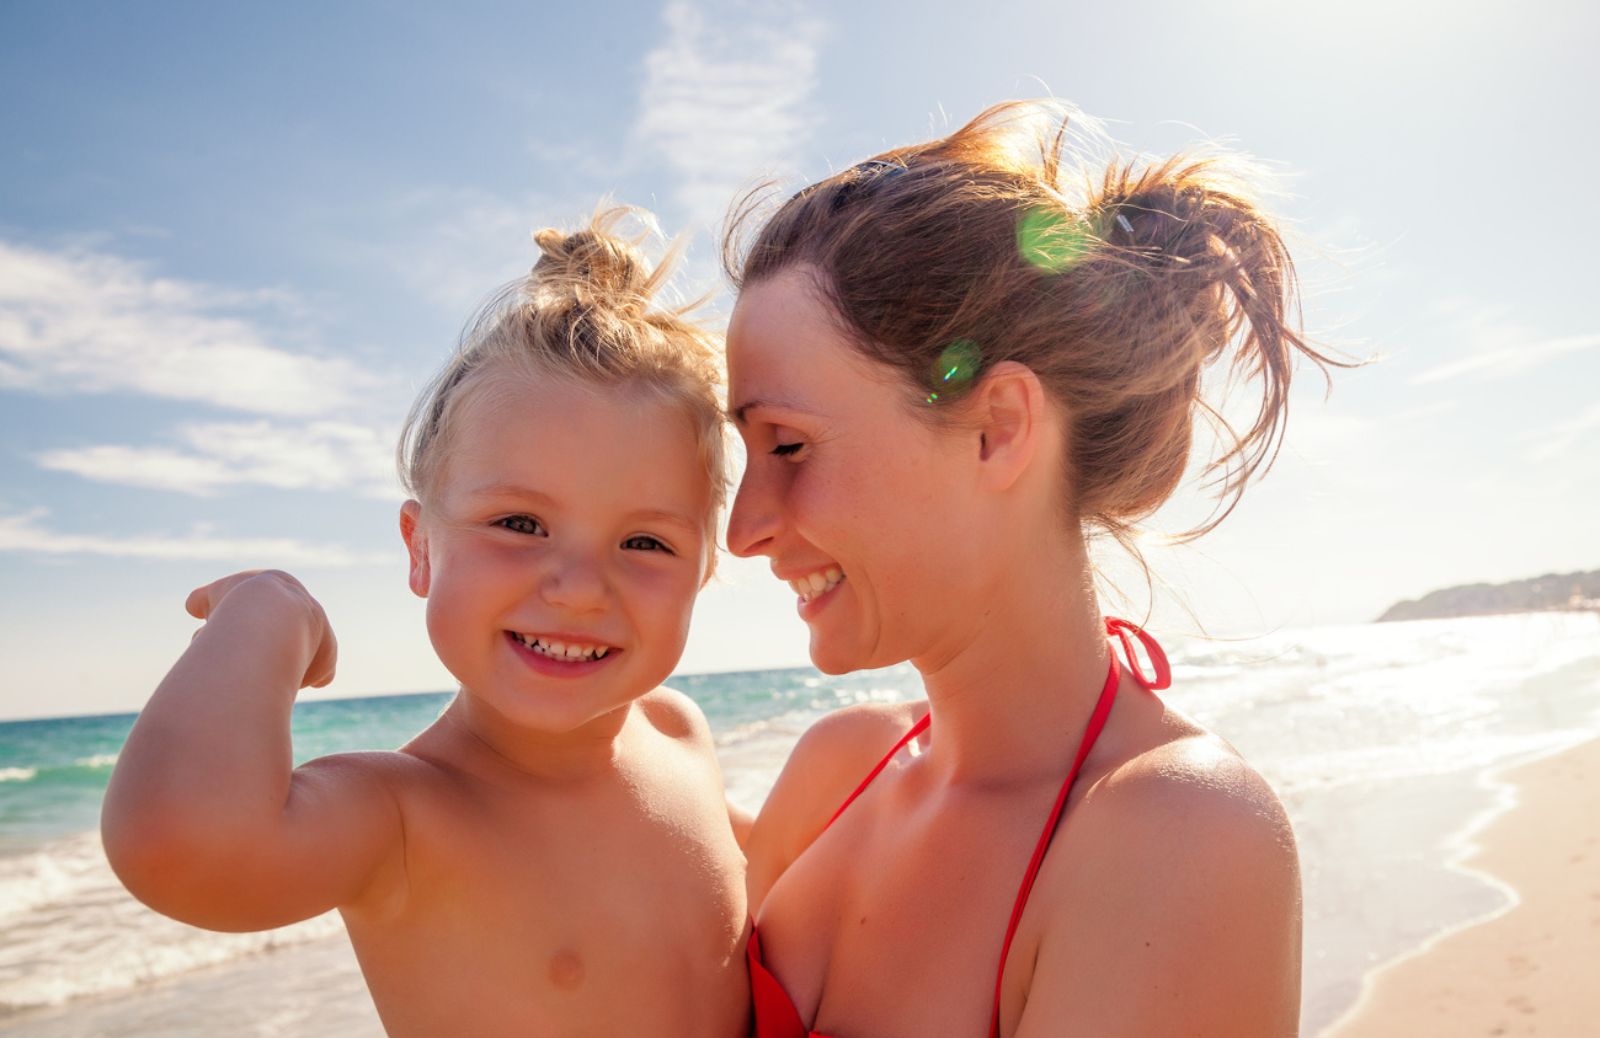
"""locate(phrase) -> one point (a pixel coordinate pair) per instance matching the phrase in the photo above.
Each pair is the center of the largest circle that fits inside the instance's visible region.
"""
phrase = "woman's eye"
(644, 542)
(522, 524)
(784, 450)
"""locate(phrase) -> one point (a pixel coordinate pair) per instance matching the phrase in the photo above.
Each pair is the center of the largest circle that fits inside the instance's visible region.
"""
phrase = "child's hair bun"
(596, 267)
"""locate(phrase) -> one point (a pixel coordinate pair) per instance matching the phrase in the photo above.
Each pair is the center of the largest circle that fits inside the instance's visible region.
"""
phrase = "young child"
(553, 855)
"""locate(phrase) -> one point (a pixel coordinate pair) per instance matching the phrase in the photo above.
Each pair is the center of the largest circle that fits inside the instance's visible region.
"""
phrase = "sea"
(1381, 739)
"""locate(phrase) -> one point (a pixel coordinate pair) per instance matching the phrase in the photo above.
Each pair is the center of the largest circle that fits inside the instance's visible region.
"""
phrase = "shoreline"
(1516, 970)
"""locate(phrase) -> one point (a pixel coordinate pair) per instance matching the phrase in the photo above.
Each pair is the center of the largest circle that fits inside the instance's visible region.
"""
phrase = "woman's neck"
(1024, 672)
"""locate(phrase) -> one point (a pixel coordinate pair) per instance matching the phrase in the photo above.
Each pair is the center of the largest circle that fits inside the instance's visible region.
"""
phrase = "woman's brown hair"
(941, 259)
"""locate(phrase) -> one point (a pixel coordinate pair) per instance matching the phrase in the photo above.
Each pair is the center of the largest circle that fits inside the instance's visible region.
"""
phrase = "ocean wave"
(58, 872)
(17, 774)
(99, 760)
(71, 930)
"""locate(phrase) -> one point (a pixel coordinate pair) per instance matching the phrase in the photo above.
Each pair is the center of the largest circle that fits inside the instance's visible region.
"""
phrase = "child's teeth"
(567, 652)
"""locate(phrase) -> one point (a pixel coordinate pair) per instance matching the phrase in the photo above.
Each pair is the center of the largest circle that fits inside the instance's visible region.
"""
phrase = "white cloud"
(88, 322)
(23, 533)
(320, 455)
(1508, 360)
(726, 97)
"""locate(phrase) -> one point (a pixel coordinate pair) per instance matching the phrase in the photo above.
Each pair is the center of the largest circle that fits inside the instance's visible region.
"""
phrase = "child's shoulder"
(391, 770)
(675, 716)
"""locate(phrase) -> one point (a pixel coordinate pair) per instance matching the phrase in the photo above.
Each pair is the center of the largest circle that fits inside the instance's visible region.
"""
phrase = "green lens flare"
(957, 364)
(1053, 241)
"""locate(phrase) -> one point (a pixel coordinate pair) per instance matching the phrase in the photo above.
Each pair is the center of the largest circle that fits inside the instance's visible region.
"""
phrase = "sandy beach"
(1531, 969)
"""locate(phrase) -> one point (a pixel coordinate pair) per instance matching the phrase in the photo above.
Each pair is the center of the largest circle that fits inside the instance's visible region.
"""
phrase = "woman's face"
(862, 506)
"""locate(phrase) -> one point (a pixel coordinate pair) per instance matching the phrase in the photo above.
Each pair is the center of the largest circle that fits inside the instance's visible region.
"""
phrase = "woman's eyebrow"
(741, 414)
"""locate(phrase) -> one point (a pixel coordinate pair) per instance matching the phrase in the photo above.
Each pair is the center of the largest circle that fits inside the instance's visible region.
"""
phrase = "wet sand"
(1533, 969)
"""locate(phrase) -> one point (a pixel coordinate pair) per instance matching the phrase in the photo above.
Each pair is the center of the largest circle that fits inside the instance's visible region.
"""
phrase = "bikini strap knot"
(1121, 629)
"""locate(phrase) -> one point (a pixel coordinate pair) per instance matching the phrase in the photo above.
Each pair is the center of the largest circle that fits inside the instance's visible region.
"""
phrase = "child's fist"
(267, 592)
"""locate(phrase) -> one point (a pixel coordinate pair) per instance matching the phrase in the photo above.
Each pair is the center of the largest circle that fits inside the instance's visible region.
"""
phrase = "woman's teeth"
(573, 653)
(818, 583)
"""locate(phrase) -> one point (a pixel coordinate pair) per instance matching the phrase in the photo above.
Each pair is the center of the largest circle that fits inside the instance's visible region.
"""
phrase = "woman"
(948, 375)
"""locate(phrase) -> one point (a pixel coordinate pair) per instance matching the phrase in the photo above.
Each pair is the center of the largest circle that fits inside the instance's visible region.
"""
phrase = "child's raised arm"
(206, 819)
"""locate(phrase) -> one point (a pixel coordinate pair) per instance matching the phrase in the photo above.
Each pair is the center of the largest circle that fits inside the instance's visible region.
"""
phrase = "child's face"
(562, 520)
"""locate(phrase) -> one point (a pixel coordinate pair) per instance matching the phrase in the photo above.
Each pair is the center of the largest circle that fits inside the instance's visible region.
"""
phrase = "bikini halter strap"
(1120, 629)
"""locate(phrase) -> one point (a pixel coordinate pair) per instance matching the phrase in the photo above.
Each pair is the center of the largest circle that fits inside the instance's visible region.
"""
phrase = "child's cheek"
(669, 594)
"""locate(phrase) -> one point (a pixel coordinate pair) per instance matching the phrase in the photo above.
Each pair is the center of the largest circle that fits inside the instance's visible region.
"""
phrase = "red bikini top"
(775, 1013)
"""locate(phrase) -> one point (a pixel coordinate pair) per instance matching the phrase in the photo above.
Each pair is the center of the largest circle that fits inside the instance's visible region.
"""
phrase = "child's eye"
(522, 524)
(644, 542)
(784, 450)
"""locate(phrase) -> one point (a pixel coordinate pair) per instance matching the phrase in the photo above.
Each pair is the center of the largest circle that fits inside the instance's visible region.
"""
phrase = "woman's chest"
(894, 926)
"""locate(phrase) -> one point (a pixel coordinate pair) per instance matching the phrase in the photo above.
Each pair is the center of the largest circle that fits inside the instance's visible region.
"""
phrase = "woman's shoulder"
(835, 754)
(828, 762)
(1187, 807)
(844, 736)
(1184, 881)
(1192, 772)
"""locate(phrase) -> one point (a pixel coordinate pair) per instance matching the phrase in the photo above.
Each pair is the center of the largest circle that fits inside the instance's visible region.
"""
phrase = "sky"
(235, 241)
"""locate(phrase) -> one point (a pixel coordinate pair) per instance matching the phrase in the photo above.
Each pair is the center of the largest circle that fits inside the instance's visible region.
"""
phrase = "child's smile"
(562, 657)
(565, 648)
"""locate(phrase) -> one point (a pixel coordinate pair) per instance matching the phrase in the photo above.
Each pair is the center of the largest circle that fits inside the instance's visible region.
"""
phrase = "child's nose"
(575, 583)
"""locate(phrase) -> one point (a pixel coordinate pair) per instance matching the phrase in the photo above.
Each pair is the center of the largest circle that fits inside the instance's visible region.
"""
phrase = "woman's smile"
(815, 585)
(810, 603)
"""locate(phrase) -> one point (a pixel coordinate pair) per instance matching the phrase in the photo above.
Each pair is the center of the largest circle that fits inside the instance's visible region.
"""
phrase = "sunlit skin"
(553, 855)
(1169, 901)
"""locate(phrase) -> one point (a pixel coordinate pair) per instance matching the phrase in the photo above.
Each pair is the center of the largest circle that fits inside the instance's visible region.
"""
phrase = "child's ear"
(1007, 409)
(416, 539)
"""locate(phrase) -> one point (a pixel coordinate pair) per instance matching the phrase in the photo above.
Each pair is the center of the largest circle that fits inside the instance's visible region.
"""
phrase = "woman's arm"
(1184, 898)
(205, 818)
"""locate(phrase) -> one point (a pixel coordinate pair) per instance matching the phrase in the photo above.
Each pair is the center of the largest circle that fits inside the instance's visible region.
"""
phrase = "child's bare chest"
(616, 912)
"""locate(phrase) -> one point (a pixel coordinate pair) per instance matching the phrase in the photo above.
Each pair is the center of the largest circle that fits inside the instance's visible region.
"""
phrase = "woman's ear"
(1007, 408)
(416, 539)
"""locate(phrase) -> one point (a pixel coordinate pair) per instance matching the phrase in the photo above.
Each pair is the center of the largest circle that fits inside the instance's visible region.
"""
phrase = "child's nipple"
(566, 970)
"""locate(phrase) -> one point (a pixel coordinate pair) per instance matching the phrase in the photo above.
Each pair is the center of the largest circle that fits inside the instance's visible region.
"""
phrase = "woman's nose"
(753, 521)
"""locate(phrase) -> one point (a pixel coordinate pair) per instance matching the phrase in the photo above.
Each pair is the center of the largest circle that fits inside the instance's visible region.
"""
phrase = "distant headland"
(1536, 594)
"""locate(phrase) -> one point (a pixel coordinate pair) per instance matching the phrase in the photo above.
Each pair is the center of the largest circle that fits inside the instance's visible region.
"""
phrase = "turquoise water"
(53, 772)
